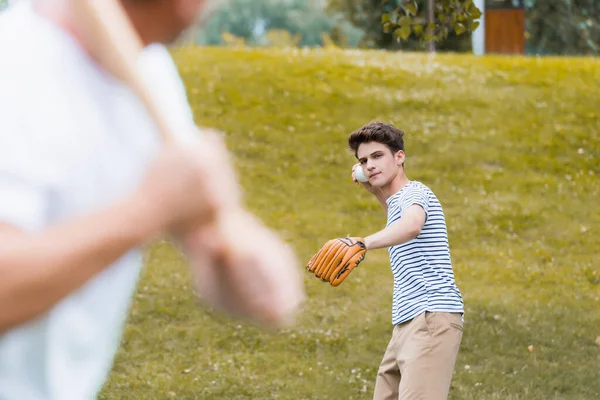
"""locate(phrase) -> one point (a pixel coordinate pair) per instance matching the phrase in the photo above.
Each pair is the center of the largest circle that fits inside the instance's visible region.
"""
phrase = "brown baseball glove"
(337, 258)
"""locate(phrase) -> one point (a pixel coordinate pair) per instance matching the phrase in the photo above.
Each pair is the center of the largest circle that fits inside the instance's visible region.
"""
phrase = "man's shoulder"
(164, 80)
(160, 71)
(36, 56)
(26, 36)
(156, 59)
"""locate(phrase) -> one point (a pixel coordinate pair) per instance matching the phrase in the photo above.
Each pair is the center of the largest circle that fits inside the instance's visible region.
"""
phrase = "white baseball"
(359, 174)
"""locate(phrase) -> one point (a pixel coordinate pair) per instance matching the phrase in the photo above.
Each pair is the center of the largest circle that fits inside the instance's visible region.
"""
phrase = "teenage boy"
(427, 308)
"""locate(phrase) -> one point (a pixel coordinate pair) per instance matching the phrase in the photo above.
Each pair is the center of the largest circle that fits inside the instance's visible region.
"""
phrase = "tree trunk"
(430, 19)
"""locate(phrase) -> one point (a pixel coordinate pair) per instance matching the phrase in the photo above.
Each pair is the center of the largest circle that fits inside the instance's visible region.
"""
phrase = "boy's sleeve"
(394, 212)
(419, 196)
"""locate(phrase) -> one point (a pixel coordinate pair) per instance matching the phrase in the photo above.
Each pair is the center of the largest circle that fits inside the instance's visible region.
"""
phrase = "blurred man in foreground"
(85, 181)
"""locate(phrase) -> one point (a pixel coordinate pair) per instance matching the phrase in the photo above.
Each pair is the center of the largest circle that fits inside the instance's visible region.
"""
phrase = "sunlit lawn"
(511, 146)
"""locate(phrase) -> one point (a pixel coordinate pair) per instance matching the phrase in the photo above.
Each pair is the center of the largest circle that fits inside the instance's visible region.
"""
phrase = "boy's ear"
(399, 157)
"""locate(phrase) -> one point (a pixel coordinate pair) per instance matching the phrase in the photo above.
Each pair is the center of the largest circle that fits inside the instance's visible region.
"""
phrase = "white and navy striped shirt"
(422, 267)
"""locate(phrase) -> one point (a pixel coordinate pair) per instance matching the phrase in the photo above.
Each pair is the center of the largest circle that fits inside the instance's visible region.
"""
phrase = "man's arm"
(399, 232)
(38, 270)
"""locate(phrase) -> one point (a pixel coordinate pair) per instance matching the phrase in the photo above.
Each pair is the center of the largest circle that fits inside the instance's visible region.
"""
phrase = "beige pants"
(419, 360)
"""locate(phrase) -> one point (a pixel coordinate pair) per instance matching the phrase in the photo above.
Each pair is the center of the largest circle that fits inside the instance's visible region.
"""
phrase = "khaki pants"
(419, 360)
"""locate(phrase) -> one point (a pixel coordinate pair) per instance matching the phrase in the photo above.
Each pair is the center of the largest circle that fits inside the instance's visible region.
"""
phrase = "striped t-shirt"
(422, 268)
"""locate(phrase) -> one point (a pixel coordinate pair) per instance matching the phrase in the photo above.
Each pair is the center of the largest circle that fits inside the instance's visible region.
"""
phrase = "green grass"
(510, 145)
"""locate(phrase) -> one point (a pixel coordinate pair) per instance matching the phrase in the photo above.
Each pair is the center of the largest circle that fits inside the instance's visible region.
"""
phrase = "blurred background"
(531, 27)
(508, 26)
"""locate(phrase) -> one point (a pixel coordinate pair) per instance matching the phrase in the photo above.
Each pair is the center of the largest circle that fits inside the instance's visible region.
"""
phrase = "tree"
(405, 23)
(459, 16)
(563, 27)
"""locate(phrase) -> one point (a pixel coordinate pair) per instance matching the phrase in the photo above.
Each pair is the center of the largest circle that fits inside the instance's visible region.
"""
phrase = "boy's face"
(379, 164)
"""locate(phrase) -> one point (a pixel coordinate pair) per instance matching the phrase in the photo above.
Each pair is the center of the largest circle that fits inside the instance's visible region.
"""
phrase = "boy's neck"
(395, 185)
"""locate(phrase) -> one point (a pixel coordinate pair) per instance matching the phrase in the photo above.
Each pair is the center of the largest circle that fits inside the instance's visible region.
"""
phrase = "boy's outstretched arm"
(340, 256)
(404, 230)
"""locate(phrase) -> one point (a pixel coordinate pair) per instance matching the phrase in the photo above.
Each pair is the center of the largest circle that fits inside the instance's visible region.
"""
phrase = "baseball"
(359, 174)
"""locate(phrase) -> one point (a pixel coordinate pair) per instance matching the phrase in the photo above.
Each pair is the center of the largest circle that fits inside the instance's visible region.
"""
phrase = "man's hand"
(257, 279)
(189, 186)
(239, 265)
(185, 187)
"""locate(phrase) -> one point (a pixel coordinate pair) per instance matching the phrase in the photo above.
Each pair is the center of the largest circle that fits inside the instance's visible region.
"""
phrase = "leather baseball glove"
(337, 258)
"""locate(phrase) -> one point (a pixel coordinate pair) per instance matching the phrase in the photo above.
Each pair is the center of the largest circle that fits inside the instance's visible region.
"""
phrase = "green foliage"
(510, 145)
(564, 27)
(459, 16)
(401, 24)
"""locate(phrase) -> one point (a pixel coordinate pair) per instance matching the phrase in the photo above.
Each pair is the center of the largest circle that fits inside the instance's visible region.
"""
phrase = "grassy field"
(511, 146)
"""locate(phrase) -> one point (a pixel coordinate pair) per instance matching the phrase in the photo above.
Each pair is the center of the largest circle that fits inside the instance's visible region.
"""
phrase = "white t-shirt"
(72, 139)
